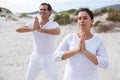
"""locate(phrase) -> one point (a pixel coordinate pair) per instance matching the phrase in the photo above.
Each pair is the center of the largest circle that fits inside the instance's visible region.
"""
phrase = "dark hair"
(49, 6)
(90, 13)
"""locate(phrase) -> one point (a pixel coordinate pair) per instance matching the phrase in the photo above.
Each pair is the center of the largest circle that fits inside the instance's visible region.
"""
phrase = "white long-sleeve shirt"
(43, 44)
(79, 67)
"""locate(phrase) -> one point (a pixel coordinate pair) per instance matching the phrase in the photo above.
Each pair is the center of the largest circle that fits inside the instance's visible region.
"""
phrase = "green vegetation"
(10, 17)
(24, 15)
(66, 17)
(63, 17)
(113, 15)
(103, 28)
(71, 11)
(0, 10)
(96, 23)
(99, 12)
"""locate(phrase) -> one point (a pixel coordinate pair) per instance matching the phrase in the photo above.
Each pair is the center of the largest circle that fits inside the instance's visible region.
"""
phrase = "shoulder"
(98, 39)
(70, 35)
(30, 24)
(53, 23)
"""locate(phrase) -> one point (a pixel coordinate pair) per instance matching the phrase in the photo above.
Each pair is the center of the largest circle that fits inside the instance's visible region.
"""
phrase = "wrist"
(39, 30)
(84, 51)
(77, 50)
(32, 29)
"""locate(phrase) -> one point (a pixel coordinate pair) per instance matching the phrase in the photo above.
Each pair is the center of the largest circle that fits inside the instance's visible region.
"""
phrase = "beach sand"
(16, 48)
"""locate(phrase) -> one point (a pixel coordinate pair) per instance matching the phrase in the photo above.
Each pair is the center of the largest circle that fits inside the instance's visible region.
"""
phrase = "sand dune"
(15, 50)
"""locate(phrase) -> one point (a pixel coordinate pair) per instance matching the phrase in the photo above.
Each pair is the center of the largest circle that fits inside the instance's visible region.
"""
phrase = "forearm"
(91, 57)
(24, 29)
(68, 54)
(50, 31)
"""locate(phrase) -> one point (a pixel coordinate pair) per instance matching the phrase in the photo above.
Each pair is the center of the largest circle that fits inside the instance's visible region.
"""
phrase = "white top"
(43, 43)
(79, 67)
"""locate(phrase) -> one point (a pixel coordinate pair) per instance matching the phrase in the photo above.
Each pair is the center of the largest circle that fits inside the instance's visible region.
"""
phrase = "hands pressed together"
(81, 48)
(81, 45)
(36, 24)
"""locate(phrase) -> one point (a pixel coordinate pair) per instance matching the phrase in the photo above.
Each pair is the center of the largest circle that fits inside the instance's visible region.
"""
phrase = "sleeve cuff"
(58, 55)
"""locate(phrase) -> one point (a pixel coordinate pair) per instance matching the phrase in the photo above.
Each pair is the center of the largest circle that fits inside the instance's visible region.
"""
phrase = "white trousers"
(38, 63)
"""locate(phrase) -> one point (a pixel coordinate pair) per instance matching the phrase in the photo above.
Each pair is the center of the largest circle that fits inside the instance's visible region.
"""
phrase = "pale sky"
(21, 6)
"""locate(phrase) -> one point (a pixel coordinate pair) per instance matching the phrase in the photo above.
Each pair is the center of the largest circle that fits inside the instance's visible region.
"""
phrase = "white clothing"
(79, 67)
(42, 57)
(44, 43)
(39, 63)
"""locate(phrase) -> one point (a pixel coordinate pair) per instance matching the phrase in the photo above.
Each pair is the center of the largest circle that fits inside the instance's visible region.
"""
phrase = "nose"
(81, 20)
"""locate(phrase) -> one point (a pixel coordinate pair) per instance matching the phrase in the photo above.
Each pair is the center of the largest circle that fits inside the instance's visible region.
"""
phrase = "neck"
(87, 34)
(43, 21)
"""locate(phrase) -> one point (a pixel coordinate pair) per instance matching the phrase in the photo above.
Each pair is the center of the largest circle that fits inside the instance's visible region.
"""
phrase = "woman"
(84, 51)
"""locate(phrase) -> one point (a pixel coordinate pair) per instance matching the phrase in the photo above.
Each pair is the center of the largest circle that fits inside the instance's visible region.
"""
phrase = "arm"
(70, 53)
(63, 46)
(88, 54)
(24, 29)
(91, 57)
(63, 52)
(27, 28)
(54, 31)
(102, 56)
(80, 48)
(100, 59)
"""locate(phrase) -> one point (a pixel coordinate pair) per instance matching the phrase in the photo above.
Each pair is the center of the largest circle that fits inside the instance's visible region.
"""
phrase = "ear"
(92, 20)
(50, 13)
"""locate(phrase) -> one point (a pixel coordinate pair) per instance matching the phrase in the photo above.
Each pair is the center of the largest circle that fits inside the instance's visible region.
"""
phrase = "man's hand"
(36, 24)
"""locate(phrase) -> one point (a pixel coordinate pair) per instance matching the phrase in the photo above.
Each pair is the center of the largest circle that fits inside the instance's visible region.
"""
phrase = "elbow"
(57, 32)
(96, 63)
(104, 65)
(20, 31)
(17, 30)
(64, 58)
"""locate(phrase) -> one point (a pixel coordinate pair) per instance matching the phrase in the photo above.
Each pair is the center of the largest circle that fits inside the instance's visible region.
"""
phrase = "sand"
(16, 48)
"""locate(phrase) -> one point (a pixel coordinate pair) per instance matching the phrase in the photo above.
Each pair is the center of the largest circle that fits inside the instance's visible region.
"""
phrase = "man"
(44, 35)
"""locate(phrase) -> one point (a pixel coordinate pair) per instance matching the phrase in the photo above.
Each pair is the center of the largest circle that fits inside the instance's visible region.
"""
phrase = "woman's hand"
(82, 43)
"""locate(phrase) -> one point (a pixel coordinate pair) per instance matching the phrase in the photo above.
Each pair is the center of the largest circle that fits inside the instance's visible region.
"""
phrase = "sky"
(23, 6)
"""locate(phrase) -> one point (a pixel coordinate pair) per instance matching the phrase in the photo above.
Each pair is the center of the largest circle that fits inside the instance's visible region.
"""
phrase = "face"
(84, 20)
(44, 12)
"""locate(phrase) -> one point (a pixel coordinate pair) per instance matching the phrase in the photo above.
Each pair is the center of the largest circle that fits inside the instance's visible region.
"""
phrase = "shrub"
(71, 11)
(76, 13)
(62, 19)
(0, 10)
(113, 15)
(24, 15)
(96, 23)
(10, 17)
(65, 19)
(104, 10)
(97, 12)
(103, 28)
(57, 17)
